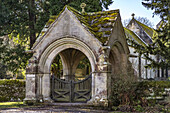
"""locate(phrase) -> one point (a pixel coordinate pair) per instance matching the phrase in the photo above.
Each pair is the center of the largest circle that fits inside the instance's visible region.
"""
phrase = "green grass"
(11, 104)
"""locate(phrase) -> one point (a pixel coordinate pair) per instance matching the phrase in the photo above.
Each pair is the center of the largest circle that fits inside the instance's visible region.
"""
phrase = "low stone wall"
(12, 90)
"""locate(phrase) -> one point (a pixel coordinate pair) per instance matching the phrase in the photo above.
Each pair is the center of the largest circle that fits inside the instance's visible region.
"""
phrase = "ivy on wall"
(12, 90)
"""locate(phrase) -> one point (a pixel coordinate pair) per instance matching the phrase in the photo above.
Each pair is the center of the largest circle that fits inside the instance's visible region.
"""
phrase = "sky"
(127, 7)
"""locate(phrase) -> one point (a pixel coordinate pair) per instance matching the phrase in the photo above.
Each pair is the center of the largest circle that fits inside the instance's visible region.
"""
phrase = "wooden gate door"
(71, 91)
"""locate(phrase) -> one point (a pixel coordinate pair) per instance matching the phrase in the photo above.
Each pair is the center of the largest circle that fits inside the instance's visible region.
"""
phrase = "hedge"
(157, 84)
(12, 90)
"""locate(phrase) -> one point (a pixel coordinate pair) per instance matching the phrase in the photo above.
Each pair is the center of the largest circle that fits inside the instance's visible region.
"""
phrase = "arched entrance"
(71, 81)
(63, 47)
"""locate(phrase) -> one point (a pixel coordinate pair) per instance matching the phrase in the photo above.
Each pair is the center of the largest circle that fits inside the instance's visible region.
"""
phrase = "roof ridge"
(102, 12)
(100, 23)
(144, 24)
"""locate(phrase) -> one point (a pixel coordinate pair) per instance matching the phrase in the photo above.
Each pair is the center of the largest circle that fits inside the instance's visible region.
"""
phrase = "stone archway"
(42, 90)
(65, 43)
(38, 78)
(118, 58)
(119, 64)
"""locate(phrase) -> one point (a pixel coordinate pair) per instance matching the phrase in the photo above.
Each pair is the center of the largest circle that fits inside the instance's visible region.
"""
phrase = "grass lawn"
(11, 104)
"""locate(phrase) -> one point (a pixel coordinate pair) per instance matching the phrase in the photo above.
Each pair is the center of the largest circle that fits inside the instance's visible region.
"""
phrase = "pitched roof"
(130, 34)
(147, 29)
(100, 24)
(150, 32)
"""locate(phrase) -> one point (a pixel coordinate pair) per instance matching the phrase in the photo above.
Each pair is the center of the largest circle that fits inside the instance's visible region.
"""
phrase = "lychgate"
(72, 35)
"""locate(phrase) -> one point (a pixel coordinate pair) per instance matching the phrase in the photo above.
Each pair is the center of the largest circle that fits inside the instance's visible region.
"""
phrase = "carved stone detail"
(32, 66)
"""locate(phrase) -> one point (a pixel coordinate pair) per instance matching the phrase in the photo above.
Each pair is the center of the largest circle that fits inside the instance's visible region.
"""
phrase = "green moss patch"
(147, 29)
(130, 34)
(95, 22)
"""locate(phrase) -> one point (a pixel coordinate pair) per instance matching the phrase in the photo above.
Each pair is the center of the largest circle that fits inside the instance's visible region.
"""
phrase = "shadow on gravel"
(53, 108)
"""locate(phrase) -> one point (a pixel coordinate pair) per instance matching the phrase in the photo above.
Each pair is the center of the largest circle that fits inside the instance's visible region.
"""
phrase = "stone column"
(31, 71)
(46, 87)
(39, 87)
(101, 83)
(30, 88)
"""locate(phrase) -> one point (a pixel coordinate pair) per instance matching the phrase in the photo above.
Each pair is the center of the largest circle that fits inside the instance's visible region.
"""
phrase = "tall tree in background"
(161, 41)
(23, 20)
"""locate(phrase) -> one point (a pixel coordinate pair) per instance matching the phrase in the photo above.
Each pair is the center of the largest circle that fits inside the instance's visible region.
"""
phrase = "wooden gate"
(71, 91)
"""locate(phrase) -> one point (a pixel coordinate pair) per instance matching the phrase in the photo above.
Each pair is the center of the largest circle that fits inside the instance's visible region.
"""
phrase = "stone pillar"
(46, 87)
(101, 83)
(39, 88)
(30, 88)
(31, 71)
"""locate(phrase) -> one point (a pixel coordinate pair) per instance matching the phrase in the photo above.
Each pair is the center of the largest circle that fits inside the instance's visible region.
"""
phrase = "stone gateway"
(99, 36)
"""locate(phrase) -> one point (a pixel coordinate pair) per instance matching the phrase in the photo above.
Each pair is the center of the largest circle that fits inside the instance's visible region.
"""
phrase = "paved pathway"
(56, 108)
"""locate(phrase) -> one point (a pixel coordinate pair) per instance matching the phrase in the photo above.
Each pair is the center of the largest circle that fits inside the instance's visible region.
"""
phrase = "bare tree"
(143, 20)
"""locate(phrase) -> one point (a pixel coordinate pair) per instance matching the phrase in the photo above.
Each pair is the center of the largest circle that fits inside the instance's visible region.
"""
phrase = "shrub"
(128, 92)
(123, 89)
(12, 90)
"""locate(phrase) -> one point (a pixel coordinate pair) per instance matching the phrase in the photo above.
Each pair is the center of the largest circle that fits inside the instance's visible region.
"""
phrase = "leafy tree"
(12, 56)
(23, 20)
(3, 70)
(26, 18)
(161, 39)
(143, 20)
(57, 67)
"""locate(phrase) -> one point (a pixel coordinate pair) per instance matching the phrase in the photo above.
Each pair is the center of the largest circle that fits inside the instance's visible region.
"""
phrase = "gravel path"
(56, 108)
(53, 110)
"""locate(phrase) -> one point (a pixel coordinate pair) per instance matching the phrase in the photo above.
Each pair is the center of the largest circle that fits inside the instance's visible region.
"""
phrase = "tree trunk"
(32, 22)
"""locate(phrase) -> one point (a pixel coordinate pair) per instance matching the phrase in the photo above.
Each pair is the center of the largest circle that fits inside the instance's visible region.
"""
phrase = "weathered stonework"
(30, 88)
(68, 33)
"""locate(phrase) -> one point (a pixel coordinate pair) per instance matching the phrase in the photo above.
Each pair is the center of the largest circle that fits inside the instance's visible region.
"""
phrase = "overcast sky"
(127, 7)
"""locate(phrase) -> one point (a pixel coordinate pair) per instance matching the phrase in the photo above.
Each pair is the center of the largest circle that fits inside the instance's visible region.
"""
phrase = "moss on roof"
(151, 32)
(100, 24)
(130, 34)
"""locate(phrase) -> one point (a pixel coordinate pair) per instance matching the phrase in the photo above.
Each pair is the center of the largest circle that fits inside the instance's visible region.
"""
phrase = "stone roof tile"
(100, 24)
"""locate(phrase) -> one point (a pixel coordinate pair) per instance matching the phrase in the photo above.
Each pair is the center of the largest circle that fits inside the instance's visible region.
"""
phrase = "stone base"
(40, 99)
(48, 100)
(98, 102)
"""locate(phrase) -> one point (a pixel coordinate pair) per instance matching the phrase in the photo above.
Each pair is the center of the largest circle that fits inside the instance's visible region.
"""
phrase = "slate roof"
(130, 34)
(148, 30)
(99, 24)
